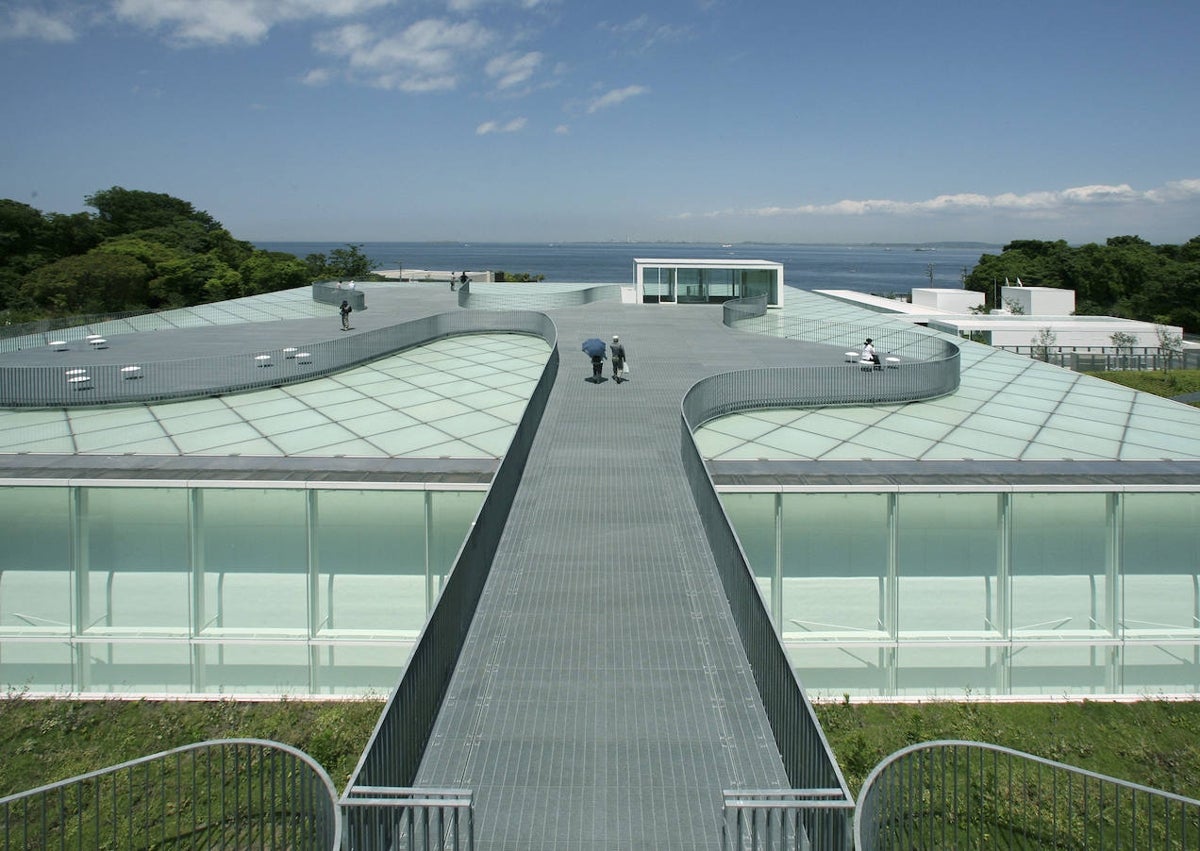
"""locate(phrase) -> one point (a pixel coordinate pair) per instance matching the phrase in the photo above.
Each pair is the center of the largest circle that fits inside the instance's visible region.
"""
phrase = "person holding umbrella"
(594, 348)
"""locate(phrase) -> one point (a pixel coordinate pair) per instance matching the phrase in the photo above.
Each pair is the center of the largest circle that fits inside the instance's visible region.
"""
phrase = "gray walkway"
(602, 700)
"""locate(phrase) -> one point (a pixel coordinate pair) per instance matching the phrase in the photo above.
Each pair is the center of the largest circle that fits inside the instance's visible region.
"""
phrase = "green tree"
(96, 282)
(270, 271)
(349, 263)
(127, 210)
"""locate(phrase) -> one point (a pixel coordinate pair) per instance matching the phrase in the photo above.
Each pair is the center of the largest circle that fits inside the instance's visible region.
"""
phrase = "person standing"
(452, 280)
(345, 310)
(618, 358)
(463, 279)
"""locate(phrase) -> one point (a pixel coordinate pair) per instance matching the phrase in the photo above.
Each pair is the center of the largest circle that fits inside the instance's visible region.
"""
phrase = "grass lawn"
(1173, 383)
(1153, 742)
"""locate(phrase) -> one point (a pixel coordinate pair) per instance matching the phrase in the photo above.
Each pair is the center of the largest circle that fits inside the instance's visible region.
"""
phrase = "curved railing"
(956, 794)
(500, 296)
(151, 381)
(225, 793)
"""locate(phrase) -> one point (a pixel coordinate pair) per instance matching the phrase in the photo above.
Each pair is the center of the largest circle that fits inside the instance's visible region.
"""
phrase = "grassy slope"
(1173, 383)
(1156, 743)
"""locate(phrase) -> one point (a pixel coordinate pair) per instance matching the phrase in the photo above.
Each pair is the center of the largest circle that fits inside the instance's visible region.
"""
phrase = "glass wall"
(220, 590)
(986, 592)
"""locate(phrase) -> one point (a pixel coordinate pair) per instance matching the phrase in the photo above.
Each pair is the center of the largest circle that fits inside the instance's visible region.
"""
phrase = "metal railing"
(820, 803)
(150, 381)
(335, 292)
(1108, 358)
(393, 753)
(956, 794)
(225, 793)
(509, 296)
(793, 819)
(413, 819)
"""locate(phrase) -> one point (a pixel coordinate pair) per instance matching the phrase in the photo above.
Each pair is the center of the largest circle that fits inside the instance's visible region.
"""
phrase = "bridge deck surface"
(603, 699)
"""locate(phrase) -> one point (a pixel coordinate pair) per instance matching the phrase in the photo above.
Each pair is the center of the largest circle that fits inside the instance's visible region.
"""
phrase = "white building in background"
(702, 281)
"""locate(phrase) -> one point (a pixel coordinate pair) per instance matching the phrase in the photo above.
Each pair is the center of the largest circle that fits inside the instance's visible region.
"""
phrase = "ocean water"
(866, 268)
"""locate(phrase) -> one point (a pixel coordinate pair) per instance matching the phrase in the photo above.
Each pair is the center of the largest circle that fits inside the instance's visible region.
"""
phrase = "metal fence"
(788, 820)
(1108, 358)
(412, 819)
(131, 382)
(955, 794)
(393, 753)
(509, 296)
(820, 804)
(225, 793)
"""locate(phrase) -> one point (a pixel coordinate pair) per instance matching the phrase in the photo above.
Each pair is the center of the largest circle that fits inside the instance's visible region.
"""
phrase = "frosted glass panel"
(835, 556)
(1059, 563)
(163, 667)
(753, 519)
(949, 546)
(1061, 669)
(137, 562)
(255, 561)
(255, 668)
(37, 666)
(1156, 668)
(829, 671)
(35, 560)
(948, 671)
(355, 669)
(1161, 563)
(451, 515)
(1162, 533)
(371, 561)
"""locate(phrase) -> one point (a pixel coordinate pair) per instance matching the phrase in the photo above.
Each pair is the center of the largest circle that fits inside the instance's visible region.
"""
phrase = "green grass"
(1153, 742)
(43, 741)
(1173, 383)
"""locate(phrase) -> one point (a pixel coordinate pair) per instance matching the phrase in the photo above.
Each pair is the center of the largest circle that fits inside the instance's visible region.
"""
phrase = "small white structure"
(953, 301)
(1038, 301)
(704, 281)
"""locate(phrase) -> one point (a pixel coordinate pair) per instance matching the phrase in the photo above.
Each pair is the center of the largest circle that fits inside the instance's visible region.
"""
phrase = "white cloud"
(512, 69)
(423, 57)
(616, 96)
(562, 130)
(512, 126)
(232, 21)
(1031, 203)
(642, 34)
(38, 25)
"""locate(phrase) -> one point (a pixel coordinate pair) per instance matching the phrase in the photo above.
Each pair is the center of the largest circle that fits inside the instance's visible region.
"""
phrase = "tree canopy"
(1127, 276)
(137, 251)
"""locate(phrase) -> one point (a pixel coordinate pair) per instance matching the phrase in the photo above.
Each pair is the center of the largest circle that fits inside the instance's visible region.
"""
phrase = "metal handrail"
(393, 753)
(508, 296)
(47, 386)
(959, 794)
(236, 793)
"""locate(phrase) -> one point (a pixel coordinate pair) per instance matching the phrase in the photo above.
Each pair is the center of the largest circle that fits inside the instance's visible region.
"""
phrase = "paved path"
(602, 700)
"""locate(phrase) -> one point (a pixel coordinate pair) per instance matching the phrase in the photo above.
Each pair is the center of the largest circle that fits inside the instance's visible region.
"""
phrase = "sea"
(877, 268)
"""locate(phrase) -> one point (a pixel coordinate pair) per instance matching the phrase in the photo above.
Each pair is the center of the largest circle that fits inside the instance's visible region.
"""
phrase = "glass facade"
(708, 284)
(219, 589)
(919, 593)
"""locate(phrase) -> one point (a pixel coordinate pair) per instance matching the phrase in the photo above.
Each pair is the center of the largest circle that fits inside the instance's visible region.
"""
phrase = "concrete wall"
(955, 301)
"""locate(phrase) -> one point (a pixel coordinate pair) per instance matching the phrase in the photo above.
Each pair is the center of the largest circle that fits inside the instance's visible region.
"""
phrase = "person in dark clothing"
(345, 310)
(597, 367)
(618, 359)
(463, 279)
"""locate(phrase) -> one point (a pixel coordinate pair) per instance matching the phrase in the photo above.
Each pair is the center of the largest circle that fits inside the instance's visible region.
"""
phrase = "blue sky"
(701, 120)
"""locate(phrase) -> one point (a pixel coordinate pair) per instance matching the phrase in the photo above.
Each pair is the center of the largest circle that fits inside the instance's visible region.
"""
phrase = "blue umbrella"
(593, 347)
